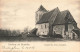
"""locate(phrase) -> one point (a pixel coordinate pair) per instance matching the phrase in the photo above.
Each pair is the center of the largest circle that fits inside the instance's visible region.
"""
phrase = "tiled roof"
(60, 19)
(47, 16)
(57, 17)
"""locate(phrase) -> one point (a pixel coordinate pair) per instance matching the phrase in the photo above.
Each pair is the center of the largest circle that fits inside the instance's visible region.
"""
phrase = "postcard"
(39, 25)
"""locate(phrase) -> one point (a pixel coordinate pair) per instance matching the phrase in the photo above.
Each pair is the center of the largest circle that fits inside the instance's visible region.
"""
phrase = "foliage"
(9, 32)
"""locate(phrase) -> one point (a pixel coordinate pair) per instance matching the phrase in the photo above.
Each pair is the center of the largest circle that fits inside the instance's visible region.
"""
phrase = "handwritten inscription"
(14, 46)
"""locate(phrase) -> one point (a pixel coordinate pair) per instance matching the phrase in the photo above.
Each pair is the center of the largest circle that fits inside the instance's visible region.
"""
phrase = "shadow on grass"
(19, 38)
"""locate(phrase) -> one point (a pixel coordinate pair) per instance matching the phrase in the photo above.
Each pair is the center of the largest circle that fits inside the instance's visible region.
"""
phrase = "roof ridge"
(54, 9)
(41, 8)
(53, 12)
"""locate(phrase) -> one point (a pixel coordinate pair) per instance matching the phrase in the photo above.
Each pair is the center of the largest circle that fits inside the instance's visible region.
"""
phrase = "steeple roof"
(41, 8)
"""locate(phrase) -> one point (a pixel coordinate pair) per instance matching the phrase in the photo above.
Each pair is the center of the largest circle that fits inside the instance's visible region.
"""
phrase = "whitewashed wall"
(42, 30)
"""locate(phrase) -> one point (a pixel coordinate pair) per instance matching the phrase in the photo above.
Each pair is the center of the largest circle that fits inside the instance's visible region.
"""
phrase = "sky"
(19, 14)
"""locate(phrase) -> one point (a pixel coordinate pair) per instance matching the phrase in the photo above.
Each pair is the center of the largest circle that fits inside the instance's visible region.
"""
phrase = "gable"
(60, 19)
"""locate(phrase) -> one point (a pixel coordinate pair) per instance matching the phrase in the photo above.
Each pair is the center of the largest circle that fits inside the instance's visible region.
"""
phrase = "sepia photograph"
(46, 23)
(20, 21)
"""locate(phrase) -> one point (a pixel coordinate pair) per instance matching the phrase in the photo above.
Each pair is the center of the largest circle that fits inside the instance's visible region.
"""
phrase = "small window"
(45, 25)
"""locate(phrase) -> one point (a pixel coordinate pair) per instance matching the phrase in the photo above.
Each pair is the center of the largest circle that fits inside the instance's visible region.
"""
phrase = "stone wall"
(70, 32)
(60, 29)
(42, 29)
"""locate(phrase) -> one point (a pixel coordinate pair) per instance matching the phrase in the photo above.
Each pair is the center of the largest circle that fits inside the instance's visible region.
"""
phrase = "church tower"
(41, 10)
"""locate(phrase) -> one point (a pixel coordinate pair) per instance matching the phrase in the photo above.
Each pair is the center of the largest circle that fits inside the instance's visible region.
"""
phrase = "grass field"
(20, 38)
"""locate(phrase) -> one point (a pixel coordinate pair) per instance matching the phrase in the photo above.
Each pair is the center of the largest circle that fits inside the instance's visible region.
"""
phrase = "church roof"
(60, 19)
(41, 8)
(47, 16)
(57, 17)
